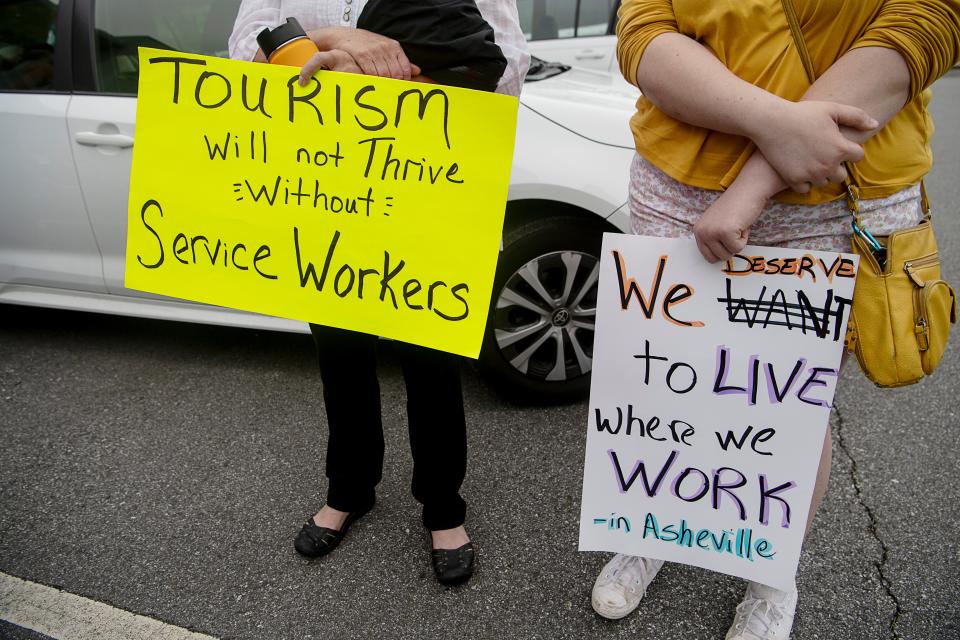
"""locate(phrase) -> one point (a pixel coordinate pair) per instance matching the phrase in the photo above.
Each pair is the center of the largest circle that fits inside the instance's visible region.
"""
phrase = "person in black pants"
(469, 43)
(438, 437)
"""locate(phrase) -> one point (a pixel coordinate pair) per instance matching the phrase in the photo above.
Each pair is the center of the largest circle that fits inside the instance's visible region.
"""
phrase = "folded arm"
(801, 144)
(909, 45)
(873, 79)
(802, 140)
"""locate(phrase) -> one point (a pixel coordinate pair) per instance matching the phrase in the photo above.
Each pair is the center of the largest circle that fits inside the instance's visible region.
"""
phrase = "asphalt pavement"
(164, 469)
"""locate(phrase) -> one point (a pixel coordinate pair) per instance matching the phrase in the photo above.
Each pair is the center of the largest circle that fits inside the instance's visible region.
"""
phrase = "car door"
(46, 240)
(574, 32)
(101, 119)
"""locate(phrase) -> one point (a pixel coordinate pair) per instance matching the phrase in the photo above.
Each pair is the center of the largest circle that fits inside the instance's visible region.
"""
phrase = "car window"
(547, 19)
(27, 29)
(194, 26)
(594, 19)
(554, 19)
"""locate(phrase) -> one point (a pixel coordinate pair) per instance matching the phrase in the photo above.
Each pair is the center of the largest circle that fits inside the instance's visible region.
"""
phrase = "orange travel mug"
(288, 44)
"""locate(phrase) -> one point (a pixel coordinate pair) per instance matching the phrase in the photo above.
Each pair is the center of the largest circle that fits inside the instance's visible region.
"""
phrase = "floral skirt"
(661, 206)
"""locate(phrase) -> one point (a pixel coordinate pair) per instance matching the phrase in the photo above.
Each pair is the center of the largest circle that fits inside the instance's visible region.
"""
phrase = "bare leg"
(823, 473)
(450, 538)
(823, 478)
(330, 518)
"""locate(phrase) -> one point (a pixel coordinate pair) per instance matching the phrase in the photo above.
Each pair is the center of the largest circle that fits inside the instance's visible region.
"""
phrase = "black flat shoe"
(314, 541)
(453, 566)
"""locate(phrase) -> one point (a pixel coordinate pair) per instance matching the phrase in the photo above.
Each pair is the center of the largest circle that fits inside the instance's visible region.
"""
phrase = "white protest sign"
(711, 394)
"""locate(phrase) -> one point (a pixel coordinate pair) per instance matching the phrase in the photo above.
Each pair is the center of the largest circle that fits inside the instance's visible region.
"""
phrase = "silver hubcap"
(544, 316)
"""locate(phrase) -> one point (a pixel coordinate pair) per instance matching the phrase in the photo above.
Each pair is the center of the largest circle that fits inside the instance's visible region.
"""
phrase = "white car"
(579, 33)
(68, 77)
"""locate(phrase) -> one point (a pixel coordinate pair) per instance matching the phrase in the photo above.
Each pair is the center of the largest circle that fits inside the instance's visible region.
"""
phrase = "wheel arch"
(523, 211)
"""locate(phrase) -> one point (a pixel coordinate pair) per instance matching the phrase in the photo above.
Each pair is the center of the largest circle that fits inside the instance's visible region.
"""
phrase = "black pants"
(438, 437)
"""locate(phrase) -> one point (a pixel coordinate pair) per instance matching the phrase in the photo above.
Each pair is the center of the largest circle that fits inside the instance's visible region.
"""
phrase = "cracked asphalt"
(163, 468)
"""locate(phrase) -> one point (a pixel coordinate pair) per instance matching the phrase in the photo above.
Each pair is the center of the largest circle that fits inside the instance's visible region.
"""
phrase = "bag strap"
(850, 185)
(791, 12)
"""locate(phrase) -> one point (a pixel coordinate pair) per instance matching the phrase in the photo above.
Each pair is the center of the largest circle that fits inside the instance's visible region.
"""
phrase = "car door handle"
(595, 56)
(93, 139)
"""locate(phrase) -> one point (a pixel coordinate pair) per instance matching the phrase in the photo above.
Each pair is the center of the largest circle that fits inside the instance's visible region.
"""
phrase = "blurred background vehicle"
(68, 82)
(579, 33)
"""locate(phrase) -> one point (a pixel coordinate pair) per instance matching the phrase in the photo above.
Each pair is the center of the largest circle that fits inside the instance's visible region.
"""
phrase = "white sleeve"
(252, 18)
(502, 16)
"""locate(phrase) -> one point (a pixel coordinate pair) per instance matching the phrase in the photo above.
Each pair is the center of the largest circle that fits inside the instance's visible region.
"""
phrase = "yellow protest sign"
(357, 202)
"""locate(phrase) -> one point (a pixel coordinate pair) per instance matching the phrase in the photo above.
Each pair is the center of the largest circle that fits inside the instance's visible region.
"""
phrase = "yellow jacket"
(752, 38)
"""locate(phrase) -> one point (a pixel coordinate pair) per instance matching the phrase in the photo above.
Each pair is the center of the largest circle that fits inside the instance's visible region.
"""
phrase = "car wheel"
(538, 347)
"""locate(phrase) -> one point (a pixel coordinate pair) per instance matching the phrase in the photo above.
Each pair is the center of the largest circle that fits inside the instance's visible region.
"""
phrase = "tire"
(538, 345)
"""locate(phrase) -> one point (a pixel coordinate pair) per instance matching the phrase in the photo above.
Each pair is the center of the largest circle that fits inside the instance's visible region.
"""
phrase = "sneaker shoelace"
(757, 617)
(624, 575)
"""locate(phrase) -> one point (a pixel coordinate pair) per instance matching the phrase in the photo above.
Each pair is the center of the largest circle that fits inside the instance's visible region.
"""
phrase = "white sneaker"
(622, 584)
(765, 614)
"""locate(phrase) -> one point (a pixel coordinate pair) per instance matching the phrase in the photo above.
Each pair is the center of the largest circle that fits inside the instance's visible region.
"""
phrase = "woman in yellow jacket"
(734, 144)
